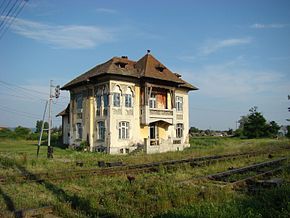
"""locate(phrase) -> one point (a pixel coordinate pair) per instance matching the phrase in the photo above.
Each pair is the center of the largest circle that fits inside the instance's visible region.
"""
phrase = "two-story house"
(122, 105)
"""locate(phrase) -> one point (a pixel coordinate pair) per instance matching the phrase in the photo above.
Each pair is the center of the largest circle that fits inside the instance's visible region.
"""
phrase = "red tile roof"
(147, 67)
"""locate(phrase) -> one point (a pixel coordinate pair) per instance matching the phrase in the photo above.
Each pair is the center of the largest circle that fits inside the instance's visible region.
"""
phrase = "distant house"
(123, 105)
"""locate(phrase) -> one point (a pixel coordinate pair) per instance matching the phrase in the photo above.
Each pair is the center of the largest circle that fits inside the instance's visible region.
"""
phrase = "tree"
(288, 132)
(22, 131)
(273, 129)
(193, 130)
(230, 131)
(256, 126)
(39, 125)
(242, 121)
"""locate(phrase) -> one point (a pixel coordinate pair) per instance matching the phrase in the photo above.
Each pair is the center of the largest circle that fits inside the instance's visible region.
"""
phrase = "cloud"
(268, 26)
(232, 80)
(106, 10)
(62, 36)
(215, 45)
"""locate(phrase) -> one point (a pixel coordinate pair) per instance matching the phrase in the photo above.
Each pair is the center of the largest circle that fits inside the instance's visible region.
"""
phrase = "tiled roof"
(146, 67)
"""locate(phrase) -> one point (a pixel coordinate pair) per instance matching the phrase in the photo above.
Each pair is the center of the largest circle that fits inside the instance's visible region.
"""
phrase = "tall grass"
(158, 194)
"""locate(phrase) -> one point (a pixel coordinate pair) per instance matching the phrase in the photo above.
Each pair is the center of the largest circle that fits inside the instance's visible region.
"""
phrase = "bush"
(5, 133)
(82, 146)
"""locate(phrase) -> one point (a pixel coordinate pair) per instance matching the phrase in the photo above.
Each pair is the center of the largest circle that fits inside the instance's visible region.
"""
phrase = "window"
(79, 133)
(106, 103)
(128, 100)
(99, 102)
(179, 103)
(106, 100)
(116, 99)
(101, 130)
(179, 130)
(152, 101)
(79, 100)
(154, 134)
(123, 130)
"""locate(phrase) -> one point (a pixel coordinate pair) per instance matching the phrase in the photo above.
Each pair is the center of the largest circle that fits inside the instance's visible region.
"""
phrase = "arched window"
(105, 101)
(123, 130)
(99, 101)
(179, 130)
(79, 101)
(117, 96)
(128, 97)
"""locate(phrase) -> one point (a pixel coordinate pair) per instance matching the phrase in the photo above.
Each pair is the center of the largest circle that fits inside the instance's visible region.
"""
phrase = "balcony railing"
(161, 112)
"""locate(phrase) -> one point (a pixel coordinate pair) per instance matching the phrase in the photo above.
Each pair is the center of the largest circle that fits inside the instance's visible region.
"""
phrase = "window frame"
(128, 100)
(124, 130)
(79, 102)
(101, 130)
(179, 130)
(152, 99)
(179, 103)
(79, 131)
(115, 100)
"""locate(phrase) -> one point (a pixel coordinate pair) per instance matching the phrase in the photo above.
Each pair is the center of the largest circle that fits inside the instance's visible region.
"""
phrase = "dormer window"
(160, 68)
(121, 64)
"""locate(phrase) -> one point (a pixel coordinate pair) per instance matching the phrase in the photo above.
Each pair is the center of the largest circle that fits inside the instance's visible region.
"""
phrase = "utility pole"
(42, 128)
(49, 149)
(49, 102)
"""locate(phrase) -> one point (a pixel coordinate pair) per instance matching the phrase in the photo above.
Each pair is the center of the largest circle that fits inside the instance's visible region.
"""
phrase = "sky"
(236, 52)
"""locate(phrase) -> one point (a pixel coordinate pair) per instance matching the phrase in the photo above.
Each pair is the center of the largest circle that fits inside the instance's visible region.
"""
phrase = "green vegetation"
(254, 125)
(159, 194)
(39, 125)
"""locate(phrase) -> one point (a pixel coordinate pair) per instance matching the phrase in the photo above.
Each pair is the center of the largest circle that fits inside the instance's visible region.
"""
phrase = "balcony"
(150, 115)
(160, 112)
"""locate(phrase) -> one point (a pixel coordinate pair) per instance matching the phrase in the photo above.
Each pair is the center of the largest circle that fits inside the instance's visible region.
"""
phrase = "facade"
(123, 105)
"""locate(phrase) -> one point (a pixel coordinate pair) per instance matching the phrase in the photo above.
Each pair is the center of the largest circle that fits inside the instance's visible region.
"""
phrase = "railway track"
(127, 169)
(240, 176)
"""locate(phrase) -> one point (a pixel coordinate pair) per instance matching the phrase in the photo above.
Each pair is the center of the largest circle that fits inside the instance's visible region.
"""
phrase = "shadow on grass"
(268, 203)
(77, 203)
(8, 201)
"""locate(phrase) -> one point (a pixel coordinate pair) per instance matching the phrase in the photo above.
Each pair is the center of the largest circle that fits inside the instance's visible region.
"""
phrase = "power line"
(22, 97)
(21, 113)
(18, 111)
(27, 89)
(10, 19)
(8, 13)
(5, 7)
(2, 4)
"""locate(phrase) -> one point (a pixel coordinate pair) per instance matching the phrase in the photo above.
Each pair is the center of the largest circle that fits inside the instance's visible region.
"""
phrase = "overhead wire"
(8, 13)
(10, 19)
(26, 89)
(24, 113)
(2, 5)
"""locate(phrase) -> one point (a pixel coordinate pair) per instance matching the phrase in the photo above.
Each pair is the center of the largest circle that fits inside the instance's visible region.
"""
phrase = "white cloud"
(62, 36)
(230, 80)
(268, 26)
(215, 45)
(106, 10)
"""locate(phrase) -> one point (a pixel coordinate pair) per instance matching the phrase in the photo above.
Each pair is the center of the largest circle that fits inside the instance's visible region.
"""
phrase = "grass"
(159, 194)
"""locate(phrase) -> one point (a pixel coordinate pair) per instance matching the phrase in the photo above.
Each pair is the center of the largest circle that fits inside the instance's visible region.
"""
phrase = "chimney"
(124, 57)
(178, 75)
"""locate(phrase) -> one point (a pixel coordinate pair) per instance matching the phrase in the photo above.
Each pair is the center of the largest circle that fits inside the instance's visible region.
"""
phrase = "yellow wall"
(144, 132)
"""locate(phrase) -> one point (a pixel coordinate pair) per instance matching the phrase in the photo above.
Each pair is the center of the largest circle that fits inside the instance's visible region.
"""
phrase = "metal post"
(49, 149)
(42, 127)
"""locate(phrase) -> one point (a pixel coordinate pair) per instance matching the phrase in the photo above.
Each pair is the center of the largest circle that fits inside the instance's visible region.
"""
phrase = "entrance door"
(154, 134)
